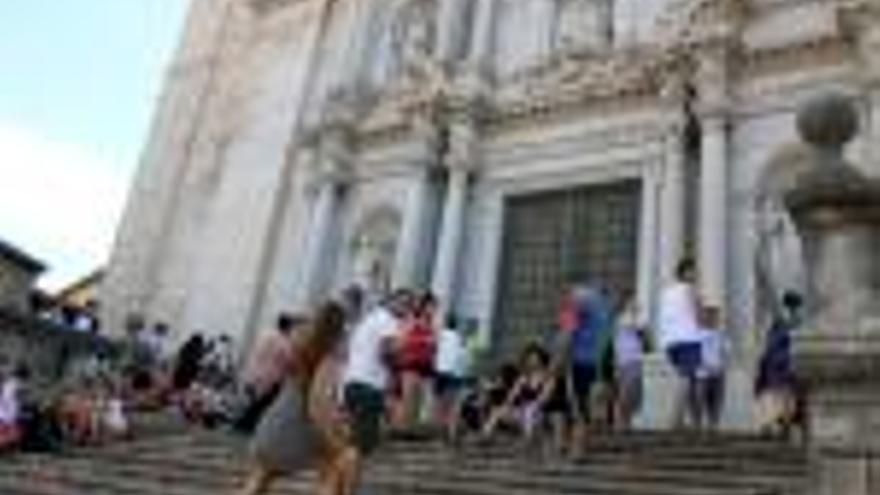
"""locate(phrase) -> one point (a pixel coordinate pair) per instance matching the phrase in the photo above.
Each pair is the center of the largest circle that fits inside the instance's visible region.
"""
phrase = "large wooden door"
(552, 240)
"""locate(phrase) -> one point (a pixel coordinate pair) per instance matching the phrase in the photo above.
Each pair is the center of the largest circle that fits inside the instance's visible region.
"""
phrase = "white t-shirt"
(677, 322)
(114, 416)
(451, 358)
(365, 364)
(714, 351)
(9, 406)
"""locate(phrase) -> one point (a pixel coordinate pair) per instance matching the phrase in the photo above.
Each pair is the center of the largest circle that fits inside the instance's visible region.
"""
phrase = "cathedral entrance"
(554, 239)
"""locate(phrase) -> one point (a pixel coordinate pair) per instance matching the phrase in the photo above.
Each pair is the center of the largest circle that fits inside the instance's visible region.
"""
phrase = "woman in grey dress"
(300, 430)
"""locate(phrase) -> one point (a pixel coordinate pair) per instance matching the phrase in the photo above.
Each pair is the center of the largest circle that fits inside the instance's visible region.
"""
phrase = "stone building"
(493, 150)
(18, 277)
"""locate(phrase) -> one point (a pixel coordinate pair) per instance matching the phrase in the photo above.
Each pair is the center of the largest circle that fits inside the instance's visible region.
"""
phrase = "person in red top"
(418, 345)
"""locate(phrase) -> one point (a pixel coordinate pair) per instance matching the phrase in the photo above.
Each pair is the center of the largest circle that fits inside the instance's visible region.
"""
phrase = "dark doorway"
(554, 239)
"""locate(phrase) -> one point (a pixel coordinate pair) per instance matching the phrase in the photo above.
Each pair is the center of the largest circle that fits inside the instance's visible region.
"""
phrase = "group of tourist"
(692, 337)
(323, 388)
(353, 372)
(81, 410)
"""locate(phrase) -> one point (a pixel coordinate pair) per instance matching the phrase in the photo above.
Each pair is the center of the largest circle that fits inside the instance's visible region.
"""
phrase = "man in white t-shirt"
(681, 340)
(366, 376)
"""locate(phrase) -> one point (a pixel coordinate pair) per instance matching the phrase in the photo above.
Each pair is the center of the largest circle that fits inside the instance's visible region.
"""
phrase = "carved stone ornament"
(837, 214)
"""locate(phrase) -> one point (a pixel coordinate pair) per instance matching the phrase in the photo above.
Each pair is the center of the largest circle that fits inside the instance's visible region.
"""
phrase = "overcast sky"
(78, 83)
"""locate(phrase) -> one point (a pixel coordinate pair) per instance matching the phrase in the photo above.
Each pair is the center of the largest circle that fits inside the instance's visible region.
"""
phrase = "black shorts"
(366, 406)
(558, 402)
(446, 384)
(583, 376)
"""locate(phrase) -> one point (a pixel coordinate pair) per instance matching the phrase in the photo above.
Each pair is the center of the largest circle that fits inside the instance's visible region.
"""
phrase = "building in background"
(81, 292)
(494, 151)
(19, 272)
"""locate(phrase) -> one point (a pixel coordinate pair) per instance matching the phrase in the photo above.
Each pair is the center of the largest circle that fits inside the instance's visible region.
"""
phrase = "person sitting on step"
(523, 408)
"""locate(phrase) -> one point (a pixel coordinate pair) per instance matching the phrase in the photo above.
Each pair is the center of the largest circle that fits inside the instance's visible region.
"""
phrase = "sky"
(78, 84)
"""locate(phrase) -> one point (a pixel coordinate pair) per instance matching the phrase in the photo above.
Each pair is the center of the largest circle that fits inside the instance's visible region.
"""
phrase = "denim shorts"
(686, 358)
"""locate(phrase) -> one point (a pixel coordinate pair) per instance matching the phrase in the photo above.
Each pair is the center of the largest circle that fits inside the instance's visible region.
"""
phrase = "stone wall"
(46, 348)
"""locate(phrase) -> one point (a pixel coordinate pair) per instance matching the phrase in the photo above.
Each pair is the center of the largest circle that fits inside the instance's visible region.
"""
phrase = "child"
(629, 348)
(715, 350)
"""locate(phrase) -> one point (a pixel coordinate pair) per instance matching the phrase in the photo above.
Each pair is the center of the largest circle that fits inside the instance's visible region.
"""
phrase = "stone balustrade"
(837, 213)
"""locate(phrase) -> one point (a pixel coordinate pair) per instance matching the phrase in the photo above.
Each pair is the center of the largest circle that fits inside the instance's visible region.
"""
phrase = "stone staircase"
(631, 464)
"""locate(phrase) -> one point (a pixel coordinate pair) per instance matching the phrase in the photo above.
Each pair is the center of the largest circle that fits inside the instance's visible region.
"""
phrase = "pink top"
(270, 362)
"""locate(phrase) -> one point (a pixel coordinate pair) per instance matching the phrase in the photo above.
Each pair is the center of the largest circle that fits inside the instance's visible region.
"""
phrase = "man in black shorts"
(366, 376)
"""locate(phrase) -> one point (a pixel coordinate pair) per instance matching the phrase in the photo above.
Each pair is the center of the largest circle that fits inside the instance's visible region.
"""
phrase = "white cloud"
(60, 201)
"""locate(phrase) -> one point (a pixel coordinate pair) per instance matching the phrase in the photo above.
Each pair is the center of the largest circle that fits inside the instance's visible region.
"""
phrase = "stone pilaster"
(672, 181)
(837, 214)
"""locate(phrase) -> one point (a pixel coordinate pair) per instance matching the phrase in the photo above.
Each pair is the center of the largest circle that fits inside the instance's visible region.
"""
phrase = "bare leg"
(680, 406)
(258, 481)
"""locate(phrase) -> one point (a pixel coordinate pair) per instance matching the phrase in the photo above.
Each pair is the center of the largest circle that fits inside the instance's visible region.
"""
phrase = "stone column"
(358, 53)
(647, 263)
(713, 218)
(451, 229)
(837, 214)
(483, 38)
(452, 29)
(459, 162)
(333, 158)
(316, 258)
(410, 252)
(672, 190)
(712, 86)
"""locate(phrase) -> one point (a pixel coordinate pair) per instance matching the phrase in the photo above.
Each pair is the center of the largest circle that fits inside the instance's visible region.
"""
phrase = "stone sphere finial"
(828, 121)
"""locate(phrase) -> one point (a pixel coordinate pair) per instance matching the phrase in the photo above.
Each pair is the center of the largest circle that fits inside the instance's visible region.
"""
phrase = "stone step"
(92, 477)
(213, 463)
(398, 485)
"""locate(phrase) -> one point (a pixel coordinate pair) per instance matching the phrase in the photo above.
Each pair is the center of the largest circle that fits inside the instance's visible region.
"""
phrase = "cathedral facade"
(495, 151)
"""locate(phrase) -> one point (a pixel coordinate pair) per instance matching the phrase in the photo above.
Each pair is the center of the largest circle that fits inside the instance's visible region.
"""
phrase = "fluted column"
(672, 184)
(410, 248)
(713, 210)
